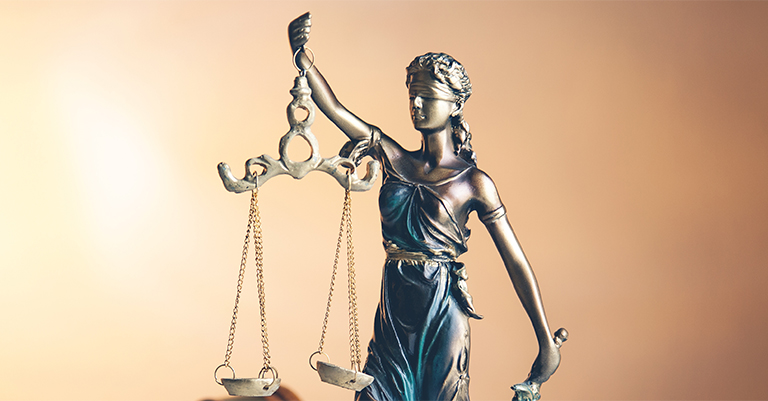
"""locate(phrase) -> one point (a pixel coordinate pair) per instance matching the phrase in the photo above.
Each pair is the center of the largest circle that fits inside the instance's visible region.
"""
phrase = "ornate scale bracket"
(341, 167)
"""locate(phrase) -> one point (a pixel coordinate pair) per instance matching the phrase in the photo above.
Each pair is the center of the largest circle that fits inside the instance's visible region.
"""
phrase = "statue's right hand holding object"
(298, 36)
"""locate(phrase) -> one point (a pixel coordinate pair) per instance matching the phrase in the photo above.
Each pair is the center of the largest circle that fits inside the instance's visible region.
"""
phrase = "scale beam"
(342, 167)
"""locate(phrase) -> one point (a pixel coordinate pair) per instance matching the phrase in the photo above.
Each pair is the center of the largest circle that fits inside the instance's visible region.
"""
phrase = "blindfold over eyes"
(435, 91)
(421, 83)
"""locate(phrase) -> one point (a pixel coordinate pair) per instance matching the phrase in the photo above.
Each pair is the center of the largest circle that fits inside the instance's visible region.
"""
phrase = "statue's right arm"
(350, 124)
(354, 127)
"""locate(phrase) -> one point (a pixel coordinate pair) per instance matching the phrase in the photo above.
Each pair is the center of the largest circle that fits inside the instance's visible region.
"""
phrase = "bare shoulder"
(483, 183)
(390, 147)
(486, 196)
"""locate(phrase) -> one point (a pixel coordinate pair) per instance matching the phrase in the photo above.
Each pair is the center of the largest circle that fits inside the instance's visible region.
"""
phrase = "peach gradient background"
(629, 141)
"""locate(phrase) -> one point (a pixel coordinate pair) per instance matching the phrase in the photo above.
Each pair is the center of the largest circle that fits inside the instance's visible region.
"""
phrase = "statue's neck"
(437, 149)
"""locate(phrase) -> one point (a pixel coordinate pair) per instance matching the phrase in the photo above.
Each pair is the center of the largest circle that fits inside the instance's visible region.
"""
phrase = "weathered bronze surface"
(420, 346)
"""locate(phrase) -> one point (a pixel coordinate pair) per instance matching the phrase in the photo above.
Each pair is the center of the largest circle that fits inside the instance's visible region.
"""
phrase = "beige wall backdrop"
(629, 142)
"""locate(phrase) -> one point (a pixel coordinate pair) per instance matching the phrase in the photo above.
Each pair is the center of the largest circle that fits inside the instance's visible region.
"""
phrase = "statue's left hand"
(546, 363)
(526, 391)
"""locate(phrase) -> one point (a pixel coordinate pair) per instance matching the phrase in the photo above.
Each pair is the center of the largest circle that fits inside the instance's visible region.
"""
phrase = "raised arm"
(350, 124)
(525, 284)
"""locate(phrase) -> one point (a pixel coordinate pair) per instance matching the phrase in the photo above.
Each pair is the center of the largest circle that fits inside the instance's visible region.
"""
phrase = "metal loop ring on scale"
(304, 49)
(350, 166)
(264, 371)
(216, 373)
(328, 358)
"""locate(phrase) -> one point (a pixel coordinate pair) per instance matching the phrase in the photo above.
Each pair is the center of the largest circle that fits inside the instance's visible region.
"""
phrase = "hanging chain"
(254, 225)
(259, 251)
(354, 332)
(333, 275)
(253, 212)
(354, 336)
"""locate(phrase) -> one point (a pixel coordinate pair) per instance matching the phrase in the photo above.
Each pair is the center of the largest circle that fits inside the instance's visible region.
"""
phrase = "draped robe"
(420, 345)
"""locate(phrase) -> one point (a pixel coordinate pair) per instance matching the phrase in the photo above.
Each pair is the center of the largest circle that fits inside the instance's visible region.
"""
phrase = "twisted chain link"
(354, 337)
(254, 225)
(240, 278)
(259, 251)
(354, 333)
(333, 276)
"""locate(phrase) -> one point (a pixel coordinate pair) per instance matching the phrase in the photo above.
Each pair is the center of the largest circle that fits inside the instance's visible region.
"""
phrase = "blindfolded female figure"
(420, 345)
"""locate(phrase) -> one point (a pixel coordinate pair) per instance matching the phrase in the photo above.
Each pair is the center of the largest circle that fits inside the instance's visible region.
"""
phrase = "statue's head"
(447, 80)
(443, 69)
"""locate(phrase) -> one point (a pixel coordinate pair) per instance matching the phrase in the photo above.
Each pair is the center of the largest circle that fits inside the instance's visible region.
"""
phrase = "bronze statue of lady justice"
(420, 345)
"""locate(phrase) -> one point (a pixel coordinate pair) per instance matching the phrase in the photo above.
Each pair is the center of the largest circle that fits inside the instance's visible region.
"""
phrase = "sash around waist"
(399, 254)
(457, 269)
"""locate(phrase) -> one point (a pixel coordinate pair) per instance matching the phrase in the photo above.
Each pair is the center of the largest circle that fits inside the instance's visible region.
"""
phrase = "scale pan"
(342, 377)
(251, 387)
